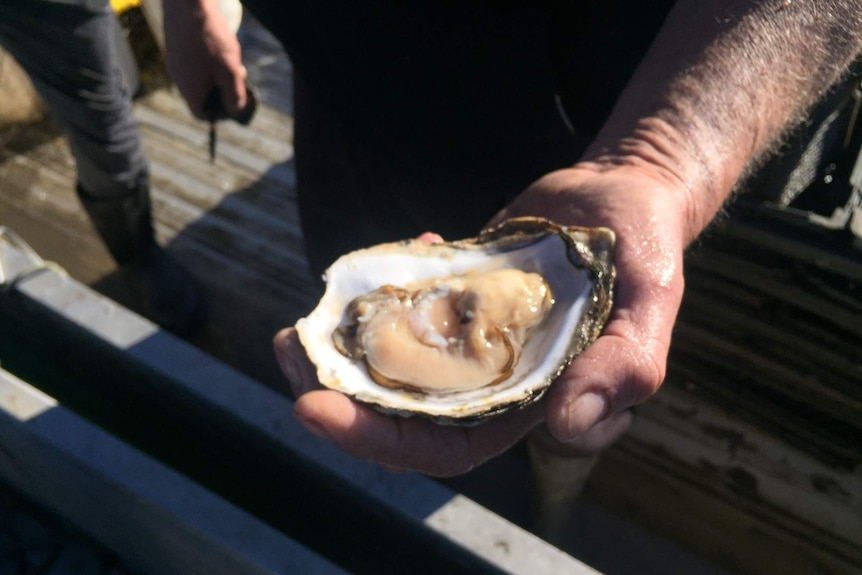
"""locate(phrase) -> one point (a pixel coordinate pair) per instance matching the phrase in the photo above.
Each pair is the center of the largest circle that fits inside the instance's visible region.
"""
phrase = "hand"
(203, 54)
(394, 442)
(586, 407)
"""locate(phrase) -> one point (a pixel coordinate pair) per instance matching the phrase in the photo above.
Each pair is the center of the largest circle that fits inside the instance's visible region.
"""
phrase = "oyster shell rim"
(587, 248)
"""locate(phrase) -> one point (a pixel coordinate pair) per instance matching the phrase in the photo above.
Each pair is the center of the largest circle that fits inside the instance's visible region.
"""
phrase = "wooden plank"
(781, 478)
(674, 502)
(42, 181)
(812, 340)
(781, 282)
(831, 251)
(757, 426)
(240, 440)
(154, 518)
(235, 229)
(270, 123)
(267, 140)
(21, 103)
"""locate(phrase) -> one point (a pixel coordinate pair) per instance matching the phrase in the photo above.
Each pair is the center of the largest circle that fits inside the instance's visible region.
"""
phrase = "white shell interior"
(401, 264)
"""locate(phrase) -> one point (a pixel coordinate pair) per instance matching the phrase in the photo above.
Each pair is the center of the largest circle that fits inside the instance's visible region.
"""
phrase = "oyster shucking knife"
(215, 111)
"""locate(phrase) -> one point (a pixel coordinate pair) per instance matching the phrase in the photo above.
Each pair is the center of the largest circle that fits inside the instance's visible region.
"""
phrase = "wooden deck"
(232, 223)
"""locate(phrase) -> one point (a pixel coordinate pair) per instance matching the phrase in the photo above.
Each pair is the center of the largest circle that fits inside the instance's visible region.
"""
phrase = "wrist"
(698, 178)
(718, 88)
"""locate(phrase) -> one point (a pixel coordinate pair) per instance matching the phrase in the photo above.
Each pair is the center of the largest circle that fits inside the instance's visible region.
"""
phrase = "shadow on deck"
(232, 223)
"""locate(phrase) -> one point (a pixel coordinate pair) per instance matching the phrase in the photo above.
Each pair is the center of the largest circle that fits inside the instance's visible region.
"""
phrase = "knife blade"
(215, 111)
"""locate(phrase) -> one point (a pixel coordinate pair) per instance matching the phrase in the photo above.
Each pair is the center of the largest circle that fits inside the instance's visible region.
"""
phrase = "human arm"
(709, 102)
(203, 53)
(715, 92)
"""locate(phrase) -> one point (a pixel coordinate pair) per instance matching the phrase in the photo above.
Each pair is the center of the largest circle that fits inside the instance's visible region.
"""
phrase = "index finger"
(232, 88)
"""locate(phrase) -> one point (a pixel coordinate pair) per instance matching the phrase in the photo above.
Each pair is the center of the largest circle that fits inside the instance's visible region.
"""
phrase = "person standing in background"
(68, 49)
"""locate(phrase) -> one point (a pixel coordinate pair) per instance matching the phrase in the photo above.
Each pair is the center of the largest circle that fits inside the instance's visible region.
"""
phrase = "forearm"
(190, 6)
(721, 83)
(189, 13)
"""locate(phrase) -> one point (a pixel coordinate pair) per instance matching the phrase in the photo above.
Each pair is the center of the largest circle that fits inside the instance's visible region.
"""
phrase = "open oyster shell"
(575, 262)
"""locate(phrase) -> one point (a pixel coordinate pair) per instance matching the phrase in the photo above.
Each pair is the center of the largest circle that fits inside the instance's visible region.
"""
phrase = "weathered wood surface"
(757, 432)
(232, 223)
(20, 102)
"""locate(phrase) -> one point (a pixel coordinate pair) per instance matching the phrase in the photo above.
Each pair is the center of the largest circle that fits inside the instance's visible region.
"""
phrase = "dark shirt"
(457, 105)
(491, 62)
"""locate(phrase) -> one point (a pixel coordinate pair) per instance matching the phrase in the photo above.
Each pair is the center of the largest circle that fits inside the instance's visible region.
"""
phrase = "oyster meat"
(459, 331)
(445, 334)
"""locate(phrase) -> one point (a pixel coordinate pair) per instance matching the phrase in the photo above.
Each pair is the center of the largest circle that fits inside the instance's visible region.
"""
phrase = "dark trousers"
(69, 51)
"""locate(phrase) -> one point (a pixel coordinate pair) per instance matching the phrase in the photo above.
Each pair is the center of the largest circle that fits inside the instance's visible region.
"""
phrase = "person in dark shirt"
(422, 116)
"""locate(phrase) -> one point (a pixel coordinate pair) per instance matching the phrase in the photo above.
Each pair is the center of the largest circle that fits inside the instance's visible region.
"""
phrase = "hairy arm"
(722, 82)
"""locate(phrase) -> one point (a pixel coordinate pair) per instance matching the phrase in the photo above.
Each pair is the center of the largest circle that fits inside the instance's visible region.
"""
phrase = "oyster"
(460, 331)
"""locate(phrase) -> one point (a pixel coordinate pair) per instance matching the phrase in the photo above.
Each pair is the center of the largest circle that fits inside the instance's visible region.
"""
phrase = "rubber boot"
(165, 292)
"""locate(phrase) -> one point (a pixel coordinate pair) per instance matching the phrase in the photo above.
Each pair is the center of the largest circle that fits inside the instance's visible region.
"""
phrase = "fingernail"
(585, 412)
(430, 238)
(315, 428)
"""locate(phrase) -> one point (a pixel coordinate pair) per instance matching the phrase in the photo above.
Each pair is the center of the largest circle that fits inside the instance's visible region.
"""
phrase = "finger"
(613, 374)
(598, 438)
(499, 218)
(230, 81)
(194, 91)
(294, 363)
(415, 444)
(430, 238)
